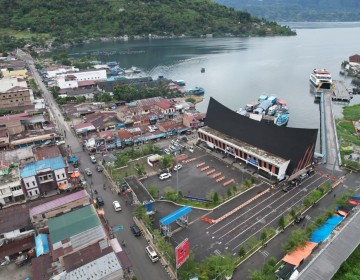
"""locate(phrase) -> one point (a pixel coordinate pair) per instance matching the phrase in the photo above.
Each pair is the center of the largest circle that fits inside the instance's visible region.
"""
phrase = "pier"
(329, 141)
(341, 93)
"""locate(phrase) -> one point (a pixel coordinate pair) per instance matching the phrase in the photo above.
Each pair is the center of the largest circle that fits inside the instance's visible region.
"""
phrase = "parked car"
(117, 206)
(99, 168)
(167, 151)
(288, 187)
(99, 201)
(165, 176)
(177, 167)
(303, 176)
(299, 218)
(93, 159)
(295, 182)
(135, 230)
(88, 171)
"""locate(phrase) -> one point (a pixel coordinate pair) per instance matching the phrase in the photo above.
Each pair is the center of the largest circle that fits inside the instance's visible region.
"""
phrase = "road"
(143, 268)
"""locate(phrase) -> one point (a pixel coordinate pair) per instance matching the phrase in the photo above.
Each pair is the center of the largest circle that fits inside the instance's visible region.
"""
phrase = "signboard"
(182, 253)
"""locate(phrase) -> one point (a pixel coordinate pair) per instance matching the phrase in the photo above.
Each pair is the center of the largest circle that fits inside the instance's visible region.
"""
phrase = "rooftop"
(21, 212)
(138, 188)
(12, 176)
(84, 256)
(72, 223)
(31, 169)
(57, 203)
(100, 268)
(46, 152)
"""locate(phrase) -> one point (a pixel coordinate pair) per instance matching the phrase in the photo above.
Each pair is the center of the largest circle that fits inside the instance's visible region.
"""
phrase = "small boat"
(180, 83)
(196, 91)
(272, 110)
(250, 107)
(202, 70)
(263, 97)
(321, 79)
(136, 70)
(281, 120)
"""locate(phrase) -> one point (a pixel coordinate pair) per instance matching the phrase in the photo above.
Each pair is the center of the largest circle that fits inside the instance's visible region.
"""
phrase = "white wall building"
(10, 187)
(74, 80)
(52, 71)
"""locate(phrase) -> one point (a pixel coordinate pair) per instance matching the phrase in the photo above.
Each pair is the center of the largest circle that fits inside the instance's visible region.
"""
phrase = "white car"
(177, 167)
(88, 171)
(165, 176)
(167, 151)
(117, 206)
(93, 159)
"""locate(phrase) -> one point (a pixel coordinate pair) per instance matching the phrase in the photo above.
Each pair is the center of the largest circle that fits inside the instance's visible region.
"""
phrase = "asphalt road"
(231, 233)
(135, 247)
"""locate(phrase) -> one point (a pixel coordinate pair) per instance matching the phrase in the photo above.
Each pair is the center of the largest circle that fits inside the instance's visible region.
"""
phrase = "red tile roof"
(46, 152)
(124, 134)
(86, 83)
(164, 104)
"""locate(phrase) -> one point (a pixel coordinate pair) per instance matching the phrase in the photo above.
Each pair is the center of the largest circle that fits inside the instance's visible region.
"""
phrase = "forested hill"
(299, 10)
(81, 19)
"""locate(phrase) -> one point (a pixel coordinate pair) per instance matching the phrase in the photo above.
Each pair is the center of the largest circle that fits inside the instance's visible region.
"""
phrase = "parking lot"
(192, 181)
(232, 232)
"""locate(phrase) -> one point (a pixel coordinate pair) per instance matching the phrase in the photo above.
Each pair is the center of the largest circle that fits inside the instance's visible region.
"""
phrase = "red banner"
(182, 253)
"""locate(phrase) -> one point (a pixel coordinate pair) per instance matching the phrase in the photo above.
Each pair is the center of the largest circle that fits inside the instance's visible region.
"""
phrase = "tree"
(154, 191)
(215, 198)
(191, 100)
(282, 222)
(219, 266)
(242, 252)
(264, 236)
(298, 238)
(166, 161)
(293, 213)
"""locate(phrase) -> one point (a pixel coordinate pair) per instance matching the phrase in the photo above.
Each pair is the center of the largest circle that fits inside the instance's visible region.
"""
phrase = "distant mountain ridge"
(299, 10)
(78, 20)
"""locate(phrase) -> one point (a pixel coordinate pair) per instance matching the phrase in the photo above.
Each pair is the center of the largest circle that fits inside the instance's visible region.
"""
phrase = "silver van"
(152, 253)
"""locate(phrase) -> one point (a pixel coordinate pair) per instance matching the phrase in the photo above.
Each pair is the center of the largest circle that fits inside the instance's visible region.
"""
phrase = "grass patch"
(352, 112)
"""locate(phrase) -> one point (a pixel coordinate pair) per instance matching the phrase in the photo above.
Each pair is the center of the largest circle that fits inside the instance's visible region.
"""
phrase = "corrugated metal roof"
(72, 223)
(30, 169)
(100, 268)
(57, 202)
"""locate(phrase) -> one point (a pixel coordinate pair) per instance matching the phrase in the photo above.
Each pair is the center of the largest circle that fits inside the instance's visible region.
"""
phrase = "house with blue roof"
(44, 176)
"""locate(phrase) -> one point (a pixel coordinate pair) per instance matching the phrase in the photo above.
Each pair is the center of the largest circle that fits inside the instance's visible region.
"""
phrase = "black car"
(99, 201)
(295, 182)
(299, 218)
(135, 230)
(99, 168)
(288, 187)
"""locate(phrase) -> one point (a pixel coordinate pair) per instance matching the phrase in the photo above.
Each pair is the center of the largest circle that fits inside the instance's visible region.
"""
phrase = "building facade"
(72, 80)
(43, 176)
(10, 185)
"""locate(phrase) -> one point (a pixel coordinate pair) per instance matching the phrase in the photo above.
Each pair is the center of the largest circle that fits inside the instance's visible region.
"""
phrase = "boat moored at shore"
(321, 79)
(271, 110)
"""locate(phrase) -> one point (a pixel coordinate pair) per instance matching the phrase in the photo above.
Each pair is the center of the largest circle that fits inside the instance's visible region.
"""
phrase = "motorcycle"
(95, 192)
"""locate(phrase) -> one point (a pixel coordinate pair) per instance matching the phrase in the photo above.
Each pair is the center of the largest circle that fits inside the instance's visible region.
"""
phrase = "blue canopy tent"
(41, 244)
(323, 232)
(73, 159)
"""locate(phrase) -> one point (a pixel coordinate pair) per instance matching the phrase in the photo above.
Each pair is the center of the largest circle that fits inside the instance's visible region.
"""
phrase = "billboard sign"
(182, 253)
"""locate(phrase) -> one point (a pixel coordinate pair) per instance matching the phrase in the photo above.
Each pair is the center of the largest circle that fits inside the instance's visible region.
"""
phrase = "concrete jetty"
(340, 93)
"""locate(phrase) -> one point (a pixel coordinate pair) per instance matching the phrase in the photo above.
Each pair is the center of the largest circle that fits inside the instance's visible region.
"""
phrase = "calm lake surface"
(238, 70)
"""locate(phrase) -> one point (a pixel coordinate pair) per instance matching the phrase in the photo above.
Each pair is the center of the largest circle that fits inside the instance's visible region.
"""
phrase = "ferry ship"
(321, 79)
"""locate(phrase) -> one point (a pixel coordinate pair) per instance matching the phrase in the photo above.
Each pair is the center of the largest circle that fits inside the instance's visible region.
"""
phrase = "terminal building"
(276, 152)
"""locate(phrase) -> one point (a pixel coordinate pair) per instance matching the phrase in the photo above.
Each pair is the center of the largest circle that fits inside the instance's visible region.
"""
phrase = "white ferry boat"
(321, 79)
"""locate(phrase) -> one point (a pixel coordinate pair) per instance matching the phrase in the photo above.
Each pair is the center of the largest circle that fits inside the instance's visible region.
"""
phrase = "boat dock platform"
(340, 93)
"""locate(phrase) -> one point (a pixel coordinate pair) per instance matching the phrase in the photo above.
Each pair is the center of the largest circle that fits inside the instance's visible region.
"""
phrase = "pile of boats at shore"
(268, 109)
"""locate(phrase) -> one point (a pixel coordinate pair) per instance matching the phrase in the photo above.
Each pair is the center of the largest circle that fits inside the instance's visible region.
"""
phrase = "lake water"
(238, 70)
